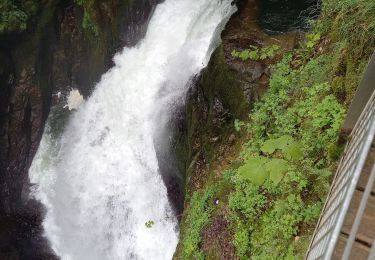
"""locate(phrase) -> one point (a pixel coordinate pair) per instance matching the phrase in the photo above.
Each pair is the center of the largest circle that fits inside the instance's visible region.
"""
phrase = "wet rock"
(133, 25)
(249, 90)
(263, 82)
(243, 30)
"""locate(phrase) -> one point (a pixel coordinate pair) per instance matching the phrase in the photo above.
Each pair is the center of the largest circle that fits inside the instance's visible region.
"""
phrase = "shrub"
(15, 15)
(198, 215)
(286, 167)
(87, 22)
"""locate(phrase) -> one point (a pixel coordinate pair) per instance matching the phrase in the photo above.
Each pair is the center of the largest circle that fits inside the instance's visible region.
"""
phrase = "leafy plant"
(87, 22)
(238, 125)
(254, 170)
(276, 168)
(14, 15)
(294, 128)
(286, 160)
(198, 216)
(312, 39)
(258, 168)
(89, 25)
(255, 53)
(149, 223)
(291, 149)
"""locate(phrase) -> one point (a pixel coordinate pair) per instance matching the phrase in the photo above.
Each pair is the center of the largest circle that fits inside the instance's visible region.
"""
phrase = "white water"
(99, 179)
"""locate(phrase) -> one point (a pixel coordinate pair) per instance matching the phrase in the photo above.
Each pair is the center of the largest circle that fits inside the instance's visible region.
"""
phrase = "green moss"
(220, 80)
(217, 81)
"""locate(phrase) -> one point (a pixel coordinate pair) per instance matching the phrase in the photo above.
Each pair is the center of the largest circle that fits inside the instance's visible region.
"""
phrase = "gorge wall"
(38, 68)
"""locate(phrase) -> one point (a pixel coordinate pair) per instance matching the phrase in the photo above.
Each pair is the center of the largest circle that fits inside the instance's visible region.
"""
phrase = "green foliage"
(258, 168)
(229, 174)
(277, 228)
(312, 212)
(276, 168)
(312, 39)
(238, 125)
(15, 15)
(254, 170)
(255, 53)
(198, 215)
(291, 149)
(287, 166)
(280, 187)
(242, 240)
(149, 224)
(350, 26)
(335, 150)
(87, 22)
(271, 145)
(350, 20)
(246, 203)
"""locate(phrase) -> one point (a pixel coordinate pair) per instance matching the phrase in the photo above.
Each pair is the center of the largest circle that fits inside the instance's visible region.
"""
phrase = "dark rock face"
(53, 56)
(212, 104)
(287, 15)
(137, 14)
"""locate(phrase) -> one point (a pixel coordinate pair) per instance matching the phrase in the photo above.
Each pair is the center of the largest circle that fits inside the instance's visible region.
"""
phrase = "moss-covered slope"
(261, 192)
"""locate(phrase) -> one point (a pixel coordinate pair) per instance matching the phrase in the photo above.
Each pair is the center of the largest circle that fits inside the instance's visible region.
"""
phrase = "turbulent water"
(99, 178)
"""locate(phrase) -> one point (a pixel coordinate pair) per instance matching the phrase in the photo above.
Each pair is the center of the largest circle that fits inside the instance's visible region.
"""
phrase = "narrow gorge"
(173, 129)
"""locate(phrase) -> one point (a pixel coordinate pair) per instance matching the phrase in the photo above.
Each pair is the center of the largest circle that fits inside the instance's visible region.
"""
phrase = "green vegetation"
(199, 213)
(312, 39)
(149, 224)
(87, 22)
(347, 30)
(255, 53)
(277, 186)
(258, 169)
(286, 169)
(14, 16)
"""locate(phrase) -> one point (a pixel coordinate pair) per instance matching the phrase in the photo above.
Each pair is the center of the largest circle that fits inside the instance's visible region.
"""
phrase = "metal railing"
(344, 184)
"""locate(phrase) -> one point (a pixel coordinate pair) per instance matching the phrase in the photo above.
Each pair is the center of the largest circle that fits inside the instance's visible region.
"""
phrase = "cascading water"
(99, 178)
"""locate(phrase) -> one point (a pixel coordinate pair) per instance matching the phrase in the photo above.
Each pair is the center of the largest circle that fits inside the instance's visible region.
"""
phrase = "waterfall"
(98, 177)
